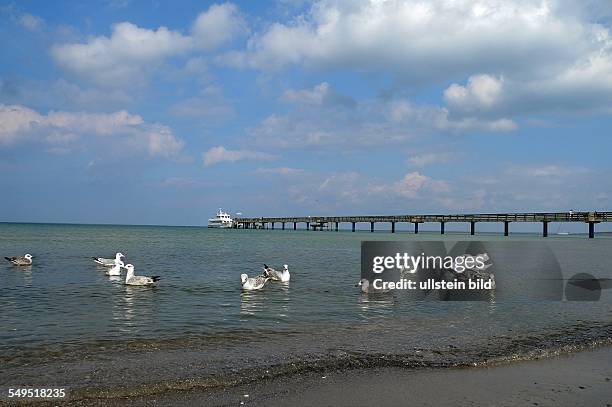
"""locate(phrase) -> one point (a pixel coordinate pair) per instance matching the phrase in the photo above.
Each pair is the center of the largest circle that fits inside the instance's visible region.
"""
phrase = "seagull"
(21, 260)
(253, 283)
(116, 269)
(131, 279)
(276, 275)
(367, 288)
(107, 262)
(404, 271)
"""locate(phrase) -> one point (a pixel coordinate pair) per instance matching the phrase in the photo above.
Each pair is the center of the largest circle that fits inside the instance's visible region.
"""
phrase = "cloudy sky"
(135, 112)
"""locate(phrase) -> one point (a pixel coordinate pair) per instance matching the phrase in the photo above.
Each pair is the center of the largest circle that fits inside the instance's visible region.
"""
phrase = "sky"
(153, 112)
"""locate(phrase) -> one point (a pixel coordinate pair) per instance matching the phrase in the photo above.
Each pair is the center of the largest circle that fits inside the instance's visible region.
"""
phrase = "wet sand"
(579, 379)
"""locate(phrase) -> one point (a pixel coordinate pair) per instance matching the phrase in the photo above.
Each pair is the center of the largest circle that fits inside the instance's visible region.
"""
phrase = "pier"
(332, 222)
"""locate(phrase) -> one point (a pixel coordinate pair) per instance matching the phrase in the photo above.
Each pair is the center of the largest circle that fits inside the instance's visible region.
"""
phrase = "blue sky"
(144, 112)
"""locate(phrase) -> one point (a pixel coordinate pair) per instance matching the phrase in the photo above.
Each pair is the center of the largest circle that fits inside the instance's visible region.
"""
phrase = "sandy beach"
(578, 379)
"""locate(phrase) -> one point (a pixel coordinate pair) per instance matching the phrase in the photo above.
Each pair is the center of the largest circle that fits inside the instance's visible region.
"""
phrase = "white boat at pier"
(222, 220)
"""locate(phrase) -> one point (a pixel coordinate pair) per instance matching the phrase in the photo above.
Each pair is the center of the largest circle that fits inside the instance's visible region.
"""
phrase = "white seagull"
(116, 269)
(253, 283)
(107, 262)
(21, 260)
(131, 279)
(367, 288)
(282, 276)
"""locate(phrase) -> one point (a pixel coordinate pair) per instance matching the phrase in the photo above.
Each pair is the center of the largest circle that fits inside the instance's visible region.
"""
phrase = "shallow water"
(64, 305)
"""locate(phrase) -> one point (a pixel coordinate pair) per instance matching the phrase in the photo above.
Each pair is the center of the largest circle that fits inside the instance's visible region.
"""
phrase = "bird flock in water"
(115, 265)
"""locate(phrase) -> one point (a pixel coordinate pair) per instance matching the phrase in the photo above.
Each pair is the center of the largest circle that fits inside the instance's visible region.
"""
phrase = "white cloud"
(519, 56)
(218, 25)
(585, 86)
(410, 185)
(551, 187)
(161, 142)
(123, 56)
(355, 187)
(65, 129)
(220, 154)
(314, 96)
(481, 91)
(31, 22)
(15, 121)
(311, 123)
(422, 39)
(131, 52)
(415, 185)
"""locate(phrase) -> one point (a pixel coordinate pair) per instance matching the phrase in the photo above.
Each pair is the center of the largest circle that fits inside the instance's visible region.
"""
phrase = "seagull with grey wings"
(253, 283)
(21, 260)
(106, 261)
(131, 279)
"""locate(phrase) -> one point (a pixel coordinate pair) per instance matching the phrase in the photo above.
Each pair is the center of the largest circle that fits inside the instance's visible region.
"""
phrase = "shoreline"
(578, 378)
(271, 381)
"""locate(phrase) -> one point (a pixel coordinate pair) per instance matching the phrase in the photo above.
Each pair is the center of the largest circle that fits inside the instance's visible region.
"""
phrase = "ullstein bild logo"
(472, 271)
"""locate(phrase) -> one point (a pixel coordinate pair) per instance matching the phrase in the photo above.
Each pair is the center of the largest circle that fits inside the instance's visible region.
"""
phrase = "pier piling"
(441, 228)
(545, 229)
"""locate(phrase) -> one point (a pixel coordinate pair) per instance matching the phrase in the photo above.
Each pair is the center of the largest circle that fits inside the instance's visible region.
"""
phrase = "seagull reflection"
(373, 305)
(115, 279)
(492, 303)
(26, 273)
(252, 302)
(137, 306)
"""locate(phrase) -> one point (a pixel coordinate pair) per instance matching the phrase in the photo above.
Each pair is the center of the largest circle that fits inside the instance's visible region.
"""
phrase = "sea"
(64, 322)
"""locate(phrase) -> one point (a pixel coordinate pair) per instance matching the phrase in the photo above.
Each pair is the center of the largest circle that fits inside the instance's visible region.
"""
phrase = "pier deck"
(322, 222)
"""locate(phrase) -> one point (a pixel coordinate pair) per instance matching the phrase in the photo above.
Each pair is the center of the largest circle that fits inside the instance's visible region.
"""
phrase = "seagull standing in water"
(116, 269)
(107, 262)
(21, 260)
(131, 279)
(282, 276)
(253, 283)
(367, 288)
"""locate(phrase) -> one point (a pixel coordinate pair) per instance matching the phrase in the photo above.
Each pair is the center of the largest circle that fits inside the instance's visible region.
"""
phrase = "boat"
(221, 220)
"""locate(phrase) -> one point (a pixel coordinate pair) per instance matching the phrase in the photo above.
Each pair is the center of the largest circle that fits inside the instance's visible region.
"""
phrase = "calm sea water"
(65, 302)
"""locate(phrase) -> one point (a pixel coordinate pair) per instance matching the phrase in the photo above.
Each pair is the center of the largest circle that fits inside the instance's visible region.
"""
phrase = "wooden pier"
(332, 222)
